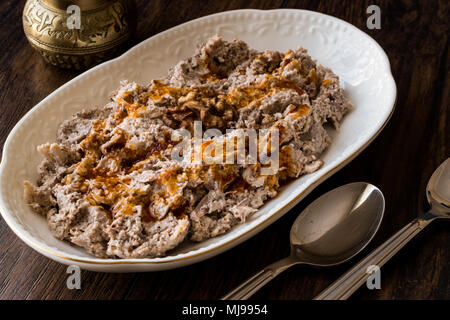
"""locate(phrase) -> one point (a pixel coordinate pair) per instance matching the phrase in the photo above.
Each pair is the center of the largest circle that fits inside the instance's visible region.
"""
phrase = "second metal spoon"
(438, 195)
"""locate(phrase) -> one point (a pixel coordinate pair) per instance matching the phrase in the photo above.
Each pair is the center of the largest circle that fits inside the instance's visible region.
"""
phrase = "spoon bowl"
(438, 191)
(330, 231)
(338, 225)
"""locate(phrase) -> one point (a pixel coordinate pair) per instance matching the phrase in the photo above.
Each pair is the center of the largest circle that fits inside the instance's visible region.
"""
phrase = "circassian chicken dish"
(111, 184)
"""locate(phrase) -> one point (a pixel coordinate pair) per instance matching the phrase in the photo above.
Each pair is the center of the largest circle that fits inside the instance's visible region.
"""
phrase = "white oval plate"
(357, 59)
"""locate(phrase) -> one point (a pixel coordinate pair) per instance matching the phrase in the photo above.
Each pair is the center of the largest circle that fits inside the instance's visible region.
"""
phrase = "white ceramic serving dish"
(360, 62)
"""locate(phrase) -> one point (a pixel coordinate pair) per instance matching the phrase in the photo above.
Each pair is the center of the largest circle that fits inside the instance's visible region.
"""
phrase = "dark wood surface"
(400, 161)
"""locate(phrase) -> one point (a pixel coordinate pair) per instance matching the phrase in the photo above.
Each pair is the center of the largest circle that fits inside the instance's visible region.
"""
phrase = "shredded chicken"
(110, 184)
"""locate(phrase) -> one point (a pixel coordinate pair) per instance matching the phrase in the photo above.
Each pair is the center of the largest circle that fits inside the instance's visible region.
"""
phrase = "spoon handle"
(253, 284)
(344, 287)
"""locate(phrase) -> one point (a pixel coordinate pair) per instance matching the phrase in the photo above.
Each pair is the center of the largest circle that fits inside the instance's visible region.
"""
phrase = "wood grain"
(415, 36)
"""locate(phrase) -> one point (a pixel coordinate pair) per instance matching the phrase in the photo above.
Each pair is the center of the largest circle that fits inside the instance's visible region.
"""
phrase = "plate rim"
(226, 244)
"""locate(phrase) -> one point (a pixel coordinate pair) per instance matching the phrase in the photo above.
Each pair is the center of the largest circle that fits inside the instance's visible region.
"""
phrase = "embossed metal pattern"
(104, 28)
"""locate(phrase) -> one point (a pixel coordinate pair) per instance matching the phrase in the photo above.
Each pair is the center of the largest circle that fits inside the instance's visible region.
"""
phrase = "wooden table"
(399, 161)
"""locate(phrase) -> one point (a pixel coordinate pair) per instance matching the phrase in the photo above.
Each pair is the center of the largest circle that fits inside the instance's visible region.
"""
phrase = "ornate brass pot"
(78, 34)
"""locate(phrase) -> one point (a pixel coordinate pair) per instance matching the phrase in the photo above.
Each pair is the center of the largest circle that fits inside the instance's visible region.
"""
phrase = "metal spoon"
(438, 195)
(329, 231)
